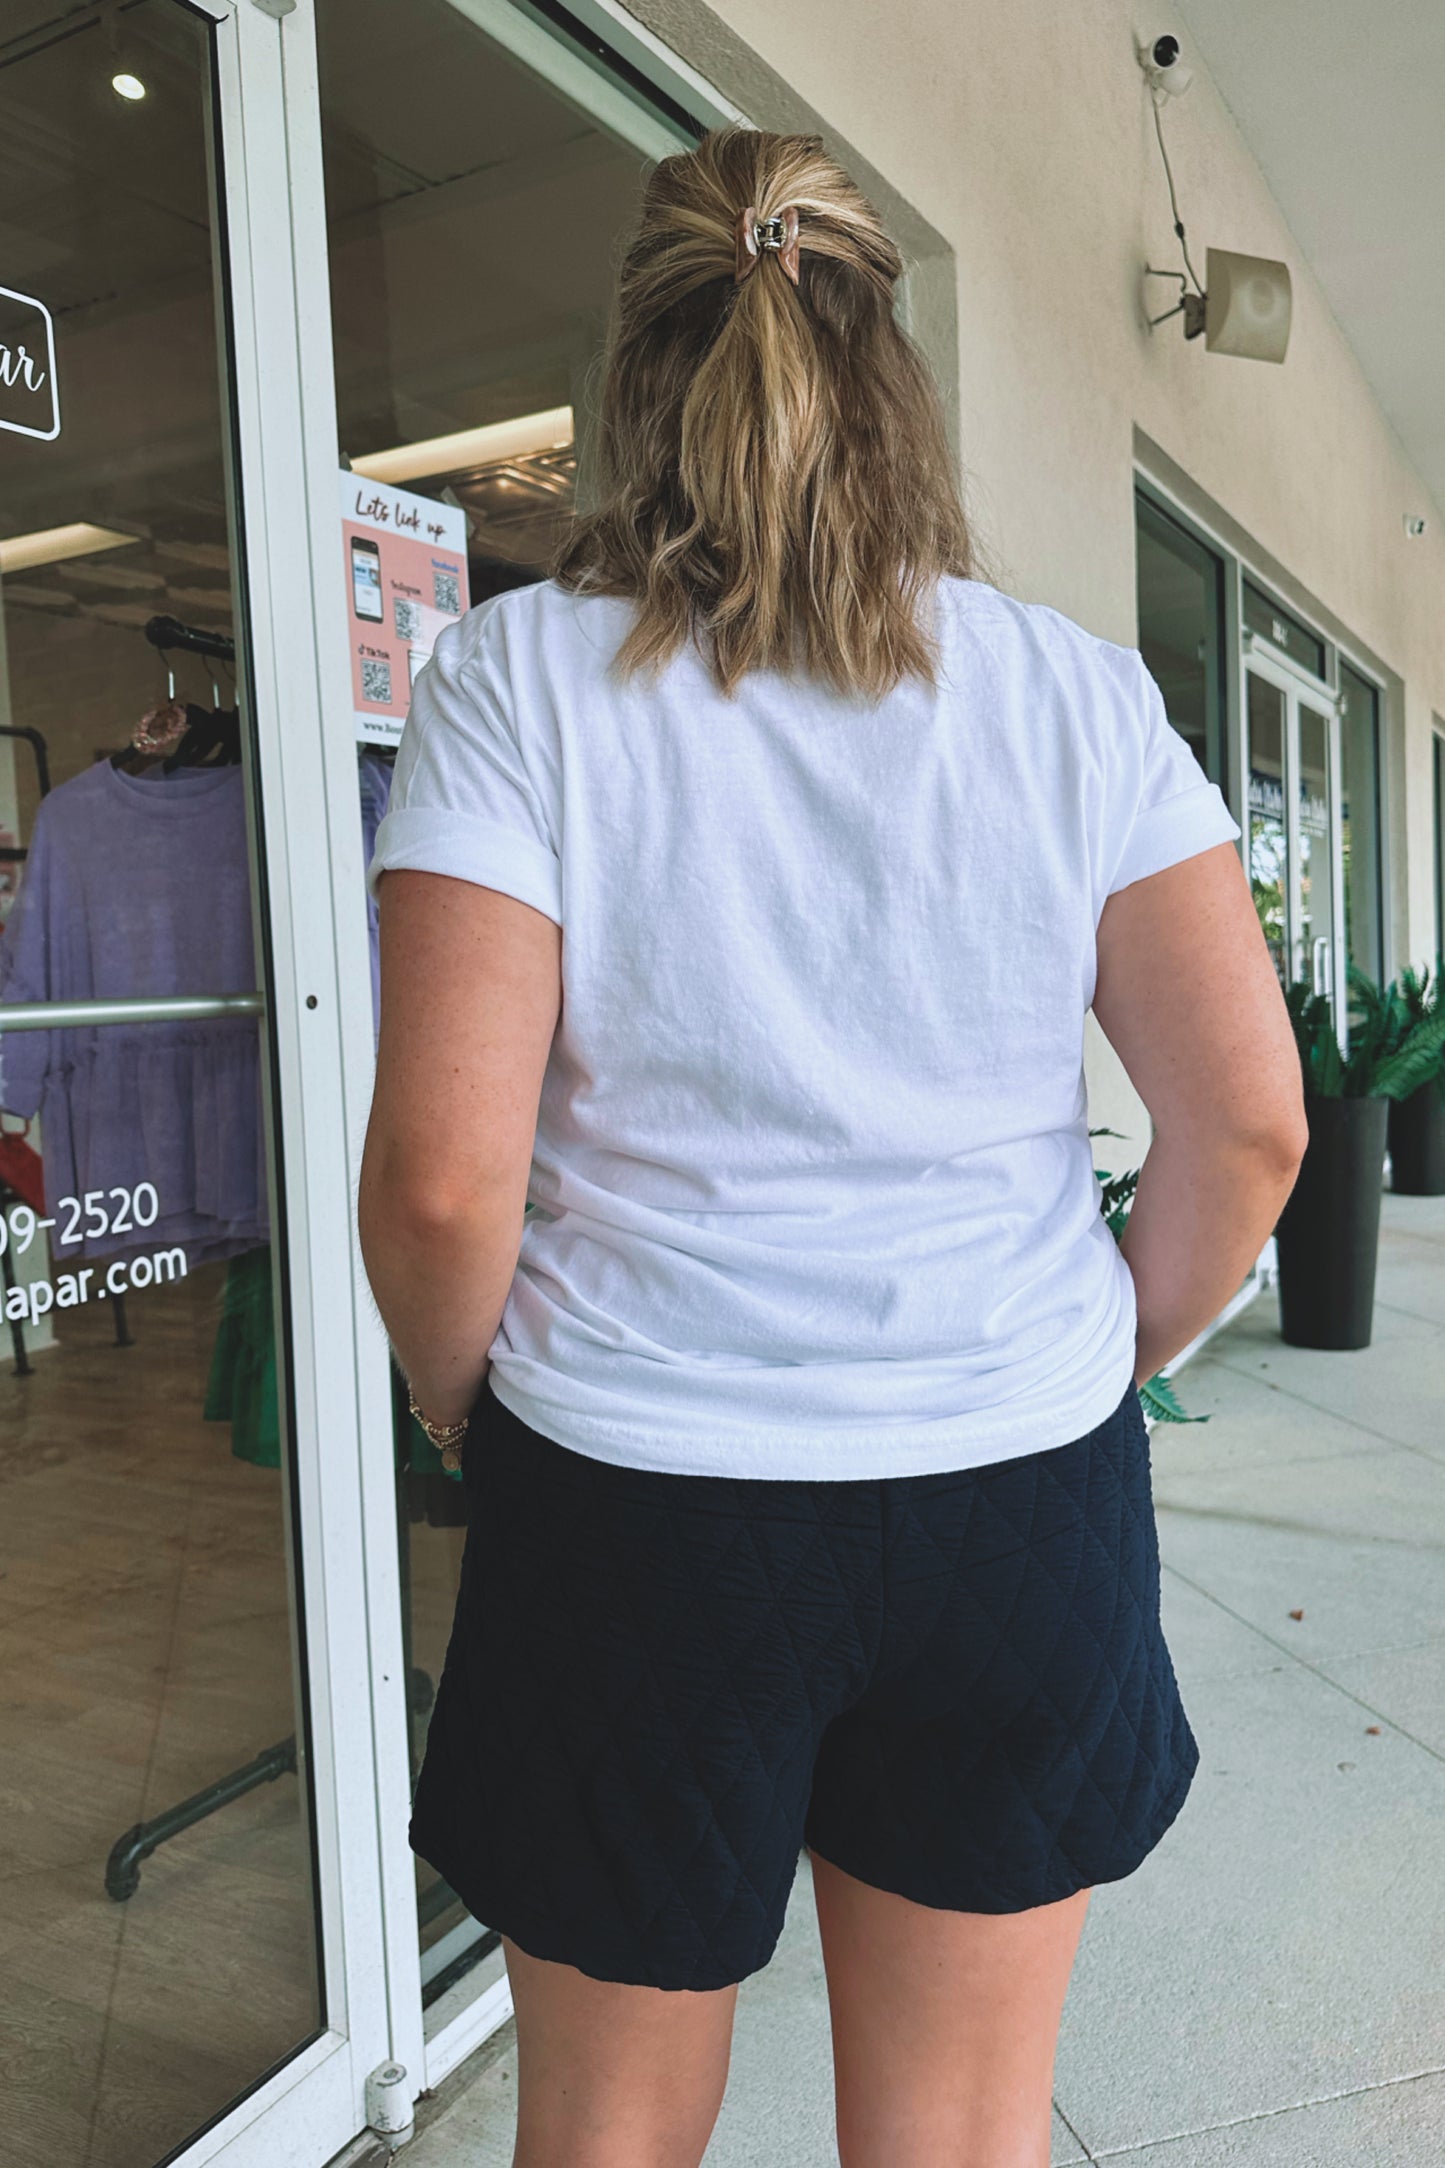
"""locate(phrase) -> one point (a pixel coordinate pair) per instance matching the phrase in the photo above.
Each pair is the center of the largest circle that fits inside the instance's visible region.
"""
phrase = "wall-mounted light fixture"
(1246, 303)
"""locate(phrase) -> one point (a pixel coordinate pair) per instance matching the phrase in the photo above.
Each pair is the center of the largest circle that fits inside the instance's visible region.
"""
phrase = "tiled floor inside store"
(145, 1651)
(1268, 1990)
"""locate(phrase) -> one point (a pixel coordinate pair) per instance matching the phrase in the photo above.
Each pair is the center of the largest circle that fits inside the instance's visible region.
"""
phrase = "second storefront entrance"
(1289, 723)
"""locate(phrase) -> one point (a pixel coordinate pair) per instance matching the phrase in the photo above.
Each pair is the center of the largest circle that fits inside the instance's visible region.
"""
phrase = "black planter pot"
(1417, 1142)
(1329, 1231)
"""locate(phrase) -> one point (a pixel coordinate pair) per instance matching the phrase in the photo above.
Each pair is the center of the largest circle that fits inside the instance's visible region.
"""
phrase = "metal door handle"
(1320, 963)
(164, 1009)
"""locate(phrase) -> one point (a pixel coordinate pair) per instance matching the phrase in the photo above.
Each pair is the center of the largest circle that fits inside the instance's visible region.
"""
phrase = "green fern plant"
(1160, 1401)
(1116, 1199)
(1394, 1039)
(1418, 1000)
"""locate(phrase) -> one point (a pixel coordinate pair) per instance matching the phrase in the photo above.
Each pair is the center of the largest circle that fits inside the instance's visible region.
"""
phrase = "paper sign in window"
(406, 577)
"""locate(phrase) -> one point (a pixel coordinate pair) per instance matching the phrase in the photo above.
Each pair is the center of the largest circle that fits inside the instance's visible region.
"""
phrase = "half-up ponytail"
(776, 480)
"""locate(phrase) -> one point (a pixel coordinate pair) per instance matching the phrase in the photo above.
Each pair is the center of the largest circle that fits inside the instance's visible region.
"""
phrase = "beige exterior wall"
(1024, 136)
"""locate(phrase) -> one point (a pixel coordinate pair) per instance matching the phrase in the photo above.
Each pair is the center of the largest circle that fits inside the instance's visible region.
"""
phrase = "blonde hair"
(775, 478)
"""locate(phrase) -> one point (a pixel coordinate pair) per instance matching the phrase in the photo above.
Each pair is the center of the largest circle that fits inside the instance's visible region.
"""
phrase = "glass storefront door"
(1296, 825)
(231, 523)
(1269, 862)
(1316, 885)
(1180, 589)
(480, 174)
(180, 1638)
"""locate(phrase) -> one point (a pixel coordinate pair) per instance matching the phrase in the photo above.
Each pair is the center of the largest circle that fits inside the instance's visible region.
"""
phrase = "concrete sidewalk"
(1268, 1991)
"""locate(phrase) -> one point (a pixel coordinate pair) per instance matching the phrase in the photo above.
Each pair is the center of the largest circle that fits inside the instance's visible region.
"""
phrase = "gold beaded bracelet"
(446, 1437)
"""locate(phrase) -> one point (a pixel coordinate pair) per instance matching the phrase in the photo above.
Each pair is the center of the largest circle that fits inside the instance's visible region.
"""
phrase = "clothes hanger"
(158, 730)
(212, 739)
(185, 734)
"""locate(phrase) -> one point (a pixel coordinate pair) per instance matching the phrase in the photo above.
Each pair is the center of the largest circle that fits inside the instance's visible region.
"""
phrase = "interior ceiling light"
(212, 555)
(515, 439)
(128, 86)
(38, 598)
(98, 572)
(50, 545)
(1245, 305)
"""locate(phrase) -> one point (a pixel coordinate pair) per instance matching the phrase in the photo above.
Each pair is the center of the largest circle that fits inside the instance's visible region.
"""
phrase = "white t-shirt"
(814, 1194)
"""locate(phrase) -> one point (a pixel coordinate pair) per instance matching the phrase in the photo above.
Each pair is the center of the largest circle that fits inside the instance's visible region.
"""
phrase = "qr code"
(447, 593)
(408, 618)
(376, 681)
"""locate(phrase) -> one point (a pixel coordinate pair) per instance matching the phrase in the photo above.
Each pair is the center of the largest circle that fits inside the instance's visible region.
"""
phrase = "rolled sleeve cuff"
(1177, 828)
(426, 839)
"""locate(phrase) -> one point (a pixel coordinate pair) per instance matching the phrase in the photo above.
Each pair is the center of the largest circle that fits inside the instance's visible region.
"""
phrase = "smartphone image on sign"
(366, 580)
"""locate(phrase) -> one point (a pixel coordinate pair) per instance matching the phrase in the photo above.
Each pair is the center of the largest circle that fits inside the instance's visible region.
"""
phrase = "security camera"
(1159, 58)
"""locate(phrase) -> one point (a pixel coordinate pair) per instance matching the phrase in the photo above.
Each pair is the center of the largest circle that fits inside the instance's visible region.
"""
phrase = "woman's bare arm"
(1188, 998)
(471, 991)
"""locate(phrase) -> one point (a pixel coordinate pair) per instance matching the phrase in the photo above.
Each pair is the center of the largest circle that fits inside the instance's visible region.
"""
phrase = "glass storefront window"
(159, 1941)
(1262, 614)
(1313, 808)
(1316, 866)
(476, 203)
(1268, 833)
(1181, 632)
(1360, 820)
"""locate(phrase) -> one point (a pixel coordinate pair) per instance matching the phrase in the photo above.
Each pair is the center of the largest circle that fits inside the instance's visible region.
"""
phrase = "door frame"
(312, 870)
(1176, 494)
(309, 636)
(1301, 688)
(315, 2102)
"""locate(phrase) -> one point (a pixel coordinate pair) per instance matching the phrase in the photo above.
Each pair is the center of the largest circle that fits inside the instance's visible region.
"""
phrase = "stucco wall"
(1024, 136)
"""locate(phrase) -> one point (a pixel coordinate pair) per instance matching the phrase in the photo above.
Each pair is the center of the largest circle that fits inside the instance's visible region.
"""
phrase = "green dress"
(241, 1387)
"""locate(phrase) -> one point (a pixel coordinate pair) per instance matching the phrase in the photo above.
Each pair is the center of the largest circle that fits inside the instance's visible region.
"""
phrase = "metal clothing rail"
(36, 741)
(170, 1009)
(167, 632)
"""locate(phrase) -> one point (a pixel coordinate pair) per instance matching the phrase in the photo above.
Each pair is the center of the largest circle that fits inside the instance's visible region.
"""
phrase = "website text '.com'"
(31, 1302)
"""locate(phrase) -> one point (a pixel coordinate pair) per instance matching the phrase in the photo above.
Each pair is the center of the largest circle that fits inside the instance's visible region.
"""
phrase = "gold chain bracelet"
(446, 1437)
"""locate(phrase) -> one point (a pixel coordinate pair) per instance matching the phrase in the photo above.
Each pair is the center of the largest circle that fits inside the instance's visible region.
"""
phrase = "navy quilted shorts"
(660, 1687)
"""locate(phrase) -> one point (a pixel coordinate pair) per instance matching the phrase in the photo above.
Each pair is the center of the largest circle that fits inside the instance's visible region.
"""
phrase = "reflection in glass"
(1316, 872)
(1262, 614)
(1360, 820)
(1268, 834)
(1181, 618)
(146, 1634)
(474, 218)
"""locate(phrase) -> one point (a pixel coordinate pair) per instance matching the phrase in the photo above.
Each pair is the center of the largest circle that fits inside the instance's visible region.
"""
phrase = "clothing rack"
(218, 726)
(14, 854)
(169, 632)
(11, 854)
(136, 1844)
(130, 1850)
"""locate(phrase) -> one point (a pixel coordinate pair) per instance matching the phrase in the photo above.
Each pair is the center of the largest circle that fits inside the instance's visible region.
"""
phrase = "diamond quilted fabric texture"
(659, 1687)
